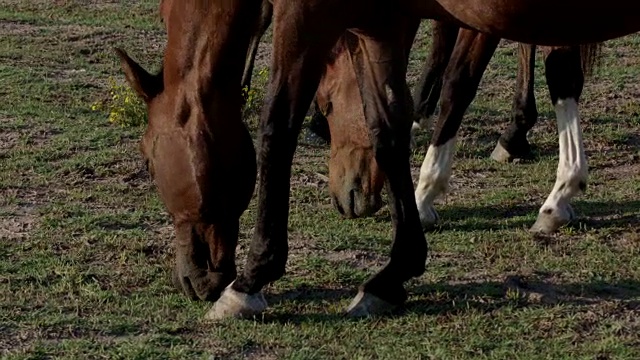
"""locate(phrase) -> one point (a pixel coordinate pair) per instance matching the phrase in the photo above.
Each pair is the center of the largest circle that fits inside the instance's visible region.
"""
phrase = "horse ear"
(145, 84)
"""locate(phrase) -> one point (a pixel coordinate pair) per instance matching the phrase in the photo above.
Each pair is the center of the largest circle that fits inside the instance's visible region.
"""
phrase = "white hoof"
(550, 219)
(365, 304)
(500, 154)
(428, 217)
(234, 304)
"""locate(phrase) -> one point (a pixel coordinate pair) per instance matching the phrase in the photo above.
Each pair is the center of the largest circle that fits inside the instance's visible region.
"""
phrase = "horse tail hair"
(591, 57)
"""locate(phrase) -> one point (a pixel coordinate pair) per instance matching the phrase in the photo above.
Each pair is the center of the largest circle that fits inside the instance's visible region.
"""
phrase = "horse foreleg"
(469, 60)
(381, 66)
(565, 80)
(296, 70)
(513, 143)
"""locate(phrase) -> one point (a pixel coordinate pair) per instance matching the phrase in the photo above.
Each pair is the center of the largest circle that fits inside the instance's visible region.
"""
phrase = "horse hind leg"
(469, 60)
(427, 93)
(513, 143)
(565, 80)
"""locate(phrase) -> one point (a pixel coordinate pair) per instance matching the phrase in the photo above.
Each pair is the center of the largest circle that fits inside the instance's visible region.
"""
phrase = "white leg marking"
(434, 180)
(571, 177)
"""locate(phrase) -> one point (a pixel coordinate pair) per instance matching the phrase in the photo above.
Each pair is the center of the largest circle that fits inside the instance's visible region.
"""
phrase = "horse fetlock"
(552, 217)
(236, 304)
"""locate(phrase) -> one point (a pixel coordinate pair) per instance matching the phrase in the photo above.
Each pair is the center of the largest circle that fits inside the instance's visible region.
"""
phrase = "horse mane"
(347, 42)
(590, 57)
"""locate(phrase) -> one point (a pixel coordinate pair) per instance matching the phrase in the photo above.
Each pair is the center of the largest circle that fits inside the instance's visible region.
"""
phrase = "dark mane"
(348, 41)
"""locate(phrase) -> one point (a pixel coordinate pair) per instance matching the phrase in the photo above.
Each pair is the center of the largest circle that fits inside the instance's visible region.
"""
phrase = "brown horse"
(204, 188)
(198, 151)
(304, 34)
(355, 180)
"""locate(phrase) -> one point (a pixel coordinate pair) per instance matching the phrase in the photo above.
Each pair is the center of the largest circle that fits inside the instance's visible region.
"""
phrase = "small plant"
(126, 109)
(253, 97)
(124, 106)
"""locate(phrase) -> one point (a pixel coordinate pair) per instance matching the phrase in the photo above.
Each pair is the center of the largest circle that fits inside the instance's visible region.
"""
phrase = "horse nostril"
(352, 202)
(337, 205)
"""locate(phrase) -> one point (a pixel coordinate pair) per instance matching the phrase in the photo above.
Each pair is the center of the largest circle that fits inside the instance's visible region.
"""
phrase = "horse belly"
(543, 22)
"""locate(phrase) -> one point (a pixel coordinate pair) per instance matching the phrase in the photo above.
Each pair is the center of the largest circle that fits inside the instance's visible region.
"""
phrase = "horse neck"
(205, 54)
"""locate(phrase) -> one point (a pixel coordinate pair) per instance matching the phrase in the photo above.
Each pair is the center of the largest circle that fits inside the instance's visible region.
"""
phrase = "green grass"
(86, 244)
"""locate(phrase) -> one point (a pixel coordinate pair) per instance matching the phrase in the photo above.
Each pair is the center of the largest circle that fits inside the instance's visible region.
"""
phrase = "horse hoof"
(365, 304)
(428, 217)
(551, 219)
(234, 304)
(500, 154)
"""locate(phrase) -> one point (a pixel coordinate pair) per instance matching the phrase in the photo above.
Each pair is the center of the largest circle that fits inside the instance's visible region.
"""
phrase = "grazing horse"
(304, 34)
(355, 180)
(353, 171)
(203, 161)
(198, 150)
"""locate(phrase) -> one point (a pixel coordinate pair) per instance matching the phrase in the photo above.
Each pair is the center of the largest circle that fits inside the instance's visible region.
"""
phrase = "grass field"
(86, 250)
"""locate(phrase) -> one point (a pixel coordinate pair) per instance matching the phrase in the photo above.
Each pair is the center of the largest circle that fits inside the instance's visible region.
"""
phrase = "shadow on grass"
(451, 299)
(592, 214)
(485, 217)
(437, 299)
(600, 214)
(305, 294)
